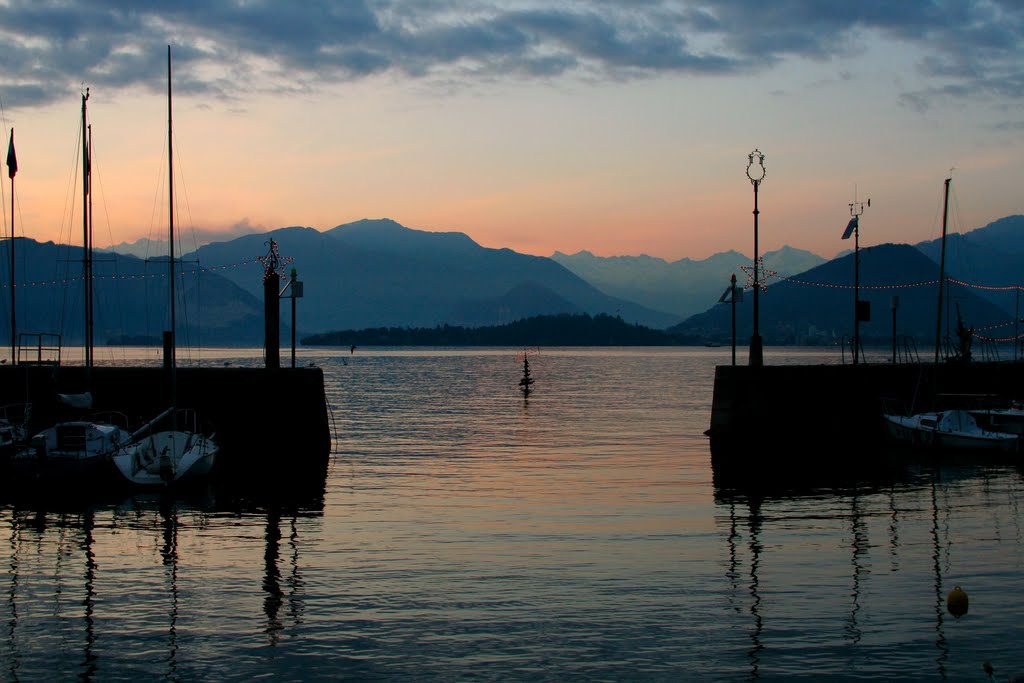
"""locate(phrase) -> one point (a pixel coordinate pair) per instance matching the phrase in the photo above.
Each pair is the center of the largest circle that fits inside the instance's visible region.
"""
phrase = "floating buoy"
(956, 602)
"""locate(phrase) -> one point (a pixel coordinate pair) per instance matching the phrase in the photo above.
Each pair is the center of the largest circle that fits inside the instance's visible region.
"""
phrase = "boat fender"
(956, 602)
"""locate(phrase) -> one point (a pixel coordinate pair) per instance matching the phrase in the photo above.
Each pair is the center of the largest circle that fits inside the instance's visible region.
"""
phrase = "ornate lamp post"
(755, 172)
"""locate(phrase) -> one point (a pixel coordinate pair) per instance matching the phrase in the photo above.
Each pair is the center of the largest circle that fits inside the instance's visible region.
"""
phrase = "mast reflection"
(275, 596)
(169, 555)
(55, 589)
(859, 546)
(89, 602)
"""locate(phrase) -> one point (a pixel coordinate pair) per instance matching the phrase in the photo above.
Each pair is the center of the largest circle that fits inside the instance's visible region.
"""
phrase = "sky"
(615, 126)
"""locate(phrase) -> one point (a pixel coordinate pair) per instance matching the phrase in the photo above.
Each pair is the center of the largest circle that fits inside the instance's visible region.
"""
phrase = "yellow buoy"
(956, 602)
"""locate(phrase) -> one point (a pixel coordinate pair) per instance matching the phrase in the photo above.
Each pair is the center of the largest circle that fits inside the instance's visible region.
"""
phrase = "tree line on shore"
(543, 330)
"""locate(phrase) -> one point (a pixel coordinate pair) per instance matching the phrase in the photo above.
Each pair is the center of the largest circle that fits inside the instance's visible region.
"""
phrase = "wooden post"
(272, 320)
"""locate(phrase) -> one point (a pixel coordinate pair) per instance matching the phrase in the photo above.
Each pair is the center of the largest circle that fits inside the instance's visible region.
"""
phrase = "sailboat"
(181, 453)
(78, 446)
(948, 430)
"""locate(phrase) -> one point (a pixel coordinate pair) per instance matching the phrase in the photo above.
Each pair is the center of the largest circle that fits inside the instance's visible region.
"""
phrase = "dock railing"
(39, 348)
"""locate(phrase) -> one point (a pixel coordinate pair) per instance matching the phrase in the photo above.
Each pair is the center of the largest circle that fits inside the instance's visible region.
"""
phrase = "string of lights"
(992, 288)
(995, 326)
(998, 339)
(831, 285)
(161, 275)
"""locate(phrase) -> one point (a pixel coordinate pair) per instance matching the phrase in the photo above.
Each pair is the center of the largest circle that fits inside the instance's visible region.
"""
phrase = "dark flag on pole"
(12, 158)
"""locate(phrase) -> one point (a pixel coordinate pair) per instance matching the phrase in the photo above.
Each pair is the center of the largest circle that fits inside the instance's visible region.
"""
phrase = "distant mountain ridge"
(378, 273)
(130, 298)
(684, 287)
(817, 306)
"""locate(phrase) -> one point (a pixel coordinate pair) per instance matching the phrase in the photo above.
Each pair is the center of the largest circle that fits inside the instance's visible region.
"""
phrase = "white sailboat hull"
(953, 430)
(167, 457)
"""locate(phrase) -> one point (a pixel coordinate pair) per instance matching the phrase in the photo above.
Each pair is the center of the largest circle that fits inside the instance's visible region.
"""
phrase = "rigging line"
(151, 237)
(159, 275)
(70, 199)
(182, 195)
(97, 181)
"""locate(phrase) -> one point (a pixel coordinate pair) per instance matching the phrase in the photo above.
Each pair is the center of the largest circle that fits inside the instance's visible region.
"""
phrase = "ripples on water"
(465, 532)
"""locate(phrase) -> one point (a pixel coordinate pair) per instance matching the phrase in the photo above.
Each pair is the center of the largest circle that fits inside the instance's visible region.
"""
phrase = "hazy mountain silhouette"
(819, 308)
(377, 273)
(684, 287)
(130, 298)
(991, 255)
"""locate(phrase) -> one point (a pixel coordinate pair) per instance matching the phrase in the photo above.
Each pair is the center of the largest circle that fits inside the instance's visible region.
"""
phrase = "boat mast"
(90, 281)
(171, 345)
(170, 203)
(12, 170)
(942, 271)
(86, 232)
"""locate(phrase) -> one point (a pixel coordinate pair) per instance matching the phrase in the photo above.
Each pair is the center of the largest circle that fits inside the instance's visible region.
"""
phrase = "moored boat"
(1010, 420)
(169, 456)
(73, 448)
(949, 430)
(182, 452)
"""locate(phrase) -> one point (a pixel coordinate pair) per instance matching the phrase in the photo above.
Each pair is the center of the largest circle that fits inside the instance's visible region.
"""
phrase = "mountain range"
(684, 287)
(816, 307)
(378, 273)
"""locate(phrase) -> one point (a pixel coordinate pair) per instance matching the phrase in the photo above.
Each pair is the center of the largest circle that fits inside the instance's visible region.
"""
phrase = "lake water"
(465, 532)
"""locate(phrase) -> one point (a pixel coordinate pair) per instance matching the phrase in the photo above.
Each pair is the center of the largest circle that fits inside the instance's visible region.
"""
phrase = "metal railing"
(39, 348)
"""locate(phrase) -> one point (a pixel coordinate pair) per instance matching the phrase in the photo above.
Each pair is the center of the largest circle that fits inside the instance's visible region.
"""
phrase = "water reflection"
(859, 548)
(790, 531)
(89, 658)
(755, 522)
(102, 585)
(940, 636)
(169, 554)
(293, 591)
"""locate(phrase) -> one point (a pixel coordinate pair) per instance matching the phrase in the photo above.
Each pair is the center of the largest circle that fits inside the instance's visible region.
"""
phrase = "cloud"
(223, 48)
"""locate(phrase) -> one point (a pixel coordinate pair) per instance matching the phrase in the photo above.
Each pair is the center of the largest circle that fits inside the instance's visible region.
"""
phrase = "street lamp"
(756, 175)
(860, 311)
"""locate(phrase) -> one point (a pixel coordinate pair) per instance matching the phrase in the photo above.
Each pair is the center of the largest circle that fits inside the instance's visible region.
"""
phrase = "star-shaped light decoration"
(273, 262)
(765, 274)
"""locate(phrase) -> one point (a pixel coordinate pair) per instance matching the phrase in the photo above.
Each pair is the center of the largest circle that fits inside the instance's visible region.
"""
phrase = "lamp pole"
(756, 174)
(856, 210)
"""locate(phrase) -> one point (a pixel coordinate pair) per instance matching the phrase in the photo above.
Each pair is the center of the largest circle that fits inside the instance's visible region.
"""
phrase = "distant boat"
(950, 431)
(182, 452)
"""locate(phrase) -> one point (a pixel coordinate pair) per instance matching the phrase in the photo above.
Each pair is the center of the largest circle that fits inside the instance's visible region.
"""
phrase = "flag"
(12, 158)
(850, 227)
(87, 170)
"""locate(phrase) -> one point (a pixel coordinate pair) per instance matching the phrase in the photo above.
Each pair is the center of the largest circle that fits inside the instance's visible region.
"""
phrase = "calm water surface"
(466, 533)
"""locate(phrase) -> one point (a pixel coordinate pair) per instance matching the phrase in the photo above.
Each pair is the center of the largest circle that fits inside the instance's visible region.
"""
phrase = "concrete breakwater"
(812, 414)
(270, 422)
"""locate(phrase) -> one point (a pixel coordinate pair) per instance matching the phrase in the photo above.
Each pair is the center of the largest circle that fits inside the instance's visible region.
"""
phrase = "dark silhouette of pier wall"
(269, 422)
(820, 415)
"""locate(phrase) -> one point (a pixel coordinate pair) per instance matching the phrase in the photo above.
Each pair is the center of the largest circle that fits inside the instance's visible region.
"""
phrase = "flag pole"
(12, 170)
